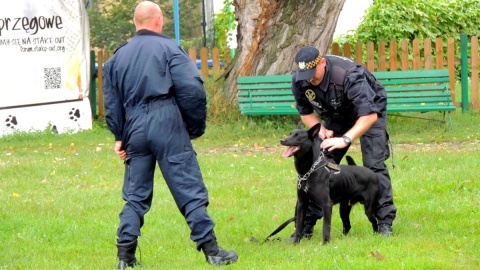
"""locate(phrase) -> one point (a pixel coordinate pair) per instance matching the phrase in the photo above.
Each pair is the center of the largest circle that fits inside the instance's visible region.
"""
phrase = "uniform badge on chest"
(310, 94)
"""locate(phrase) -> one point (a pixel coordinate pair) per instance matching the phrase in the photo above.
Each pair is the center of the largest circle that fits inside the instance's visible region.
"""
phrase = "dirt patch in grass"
(446, 147)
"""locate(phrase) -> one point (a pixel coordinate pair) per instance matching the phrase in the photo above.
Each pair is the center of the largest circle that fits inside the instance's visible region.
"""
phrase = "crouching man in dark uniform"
(351, 104)
(156, 103)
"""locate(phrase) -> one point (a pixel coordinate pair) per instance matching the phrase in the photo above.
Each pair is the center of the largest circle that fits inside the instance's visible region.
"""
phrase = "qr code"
(53, 78)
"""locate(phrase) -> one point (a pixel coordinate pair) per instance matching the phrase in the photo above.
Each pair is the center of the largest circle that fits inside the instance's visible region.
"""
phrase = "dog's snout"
(282, 141)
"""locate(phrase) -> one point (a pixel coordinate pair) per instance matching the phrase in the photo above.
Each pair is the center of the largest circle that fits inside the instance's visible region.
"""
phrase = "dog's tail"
(350, 160)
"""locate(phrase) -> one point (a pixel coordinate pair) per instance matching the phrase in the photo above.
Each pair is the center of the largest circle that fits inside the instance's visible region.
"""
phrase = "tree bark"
(270, 32)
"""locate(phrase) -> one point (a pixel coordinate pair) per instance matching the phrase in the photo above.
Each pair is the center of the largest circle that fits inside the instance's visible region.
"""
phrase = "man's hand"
(325, 133)
(118, 150)
(333, 143)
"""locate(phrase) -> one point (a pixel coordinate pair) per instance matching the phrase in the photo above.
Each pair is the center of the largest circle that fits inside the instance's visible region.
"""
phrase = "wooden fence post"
(404, 57)
(382, 57)
(439, 53)
(102, 58)
(393, 56)
(192, 53)
(370, 56)
(359, 52)
(347, 50)
(427, 52)
(216, 61)
(451, 65)
(204, 62)
(416, 54)
(464, 71)
(335, 49)
(474, 53)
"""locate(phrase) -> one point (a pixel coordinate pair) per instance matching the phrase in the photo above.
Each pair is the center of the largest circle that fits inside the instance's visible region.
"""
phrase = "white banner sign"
(44, 65)
(44, 51)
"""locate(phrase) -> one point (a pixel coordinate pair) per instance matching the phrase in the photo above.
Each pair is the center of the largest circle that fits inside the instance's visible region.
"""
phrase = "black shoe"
(216, 255)
(222, 257)
(307, 232)
(126, 255)
(385, 229)
(125, 265)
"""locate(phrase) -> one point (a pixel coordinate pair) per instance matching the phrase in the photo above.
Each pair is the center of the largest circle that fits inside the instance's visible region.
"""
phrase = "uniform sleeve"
(360, 94)
(303, 105)
(115, 115)
(189, 93)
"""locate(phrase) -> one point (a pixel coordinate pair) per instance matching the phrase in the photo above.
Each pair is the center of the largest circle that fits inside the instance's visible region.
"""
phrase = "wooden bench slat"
(263, 111)
(268, 104)
(260, 87)
(397, 109)
(265, 93)
(415, 81)
(265, 99)
(435, 88)
(432, 95)
(408, 74)
(264, 79)
(419, 101)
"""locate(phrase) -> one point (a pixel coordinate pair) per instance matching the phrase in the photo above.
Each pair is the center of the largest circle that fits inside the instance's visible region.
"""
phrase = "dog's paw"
(11, 121)
(74, 114)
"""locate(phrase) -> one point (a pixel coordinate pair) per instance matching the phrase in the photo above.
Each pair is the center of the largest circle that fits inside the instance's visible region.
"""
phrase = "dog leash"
(312, 169)
(279, 229)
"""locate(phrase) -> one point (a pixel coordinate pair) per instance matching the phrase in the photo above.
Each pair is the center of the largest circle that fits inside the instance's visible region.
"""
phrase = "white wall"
(351, 15)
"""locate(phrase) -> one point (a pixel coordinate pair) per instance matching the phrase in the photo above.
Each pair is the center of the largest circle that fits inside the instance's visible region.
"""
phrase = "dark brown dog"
(326, 183)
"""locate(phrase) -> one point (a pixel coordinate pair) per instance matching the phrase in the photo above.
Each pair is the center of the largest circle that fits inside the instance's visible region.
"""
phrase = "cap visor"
(305, 74)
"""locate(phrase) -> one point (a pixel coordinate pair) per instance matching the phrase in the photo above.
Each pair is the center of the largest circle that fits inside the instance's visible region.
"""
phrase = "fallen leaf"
(377, 255)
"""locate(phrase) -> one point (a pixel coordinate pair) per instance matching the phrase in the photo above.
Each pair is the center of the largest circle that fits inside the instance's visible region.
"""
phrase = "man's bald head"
(148, 15)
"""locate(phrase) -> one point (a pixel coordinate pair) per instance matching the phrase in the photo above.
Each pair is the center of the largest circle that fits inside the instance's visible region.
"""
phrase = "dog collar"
(329, 166)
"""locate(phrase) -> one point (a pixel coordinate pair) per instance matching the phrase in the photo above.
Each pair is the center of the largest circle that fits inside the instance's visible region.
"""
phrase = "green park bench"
(407, 91)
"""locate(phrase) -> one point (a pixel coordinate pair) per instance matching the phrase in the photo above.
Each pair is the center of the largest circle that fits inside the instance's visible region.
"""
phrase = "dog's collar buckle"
(333, 166)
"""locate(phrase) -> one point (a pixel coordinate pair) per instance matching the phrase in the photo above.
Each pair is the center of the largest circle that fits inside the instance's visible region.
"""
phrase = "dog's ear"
(313, 131)
(300, 125)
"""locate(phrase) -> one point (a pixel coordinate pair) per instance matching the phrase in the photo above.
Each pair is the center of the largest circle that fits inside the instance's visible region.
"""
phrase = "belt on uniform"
(152, 105)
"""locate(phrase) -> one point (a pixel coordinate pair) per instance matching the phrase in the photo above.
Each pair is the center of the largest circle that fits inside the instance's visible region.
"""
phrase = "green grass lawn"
(60, 196)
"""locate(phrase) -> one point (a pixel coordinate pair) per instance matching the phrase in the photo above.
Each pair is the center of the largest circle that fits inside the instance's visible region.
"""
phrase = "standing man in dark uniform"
(156, 103)
(351, 104)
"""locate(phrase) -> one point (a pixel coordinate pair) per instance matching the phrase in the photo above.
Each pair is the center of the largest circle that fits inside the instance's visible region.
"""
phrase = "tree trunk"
(270, 32)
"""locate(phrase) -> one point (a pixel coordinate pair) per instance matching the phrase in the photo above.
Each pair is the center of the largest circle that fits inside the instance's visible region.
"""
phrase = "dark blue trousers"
(155, 133)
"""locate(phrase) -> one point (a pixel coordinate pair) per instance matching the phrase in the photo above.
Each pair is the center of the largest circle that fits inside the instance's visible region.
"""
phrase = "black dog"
(326, 183)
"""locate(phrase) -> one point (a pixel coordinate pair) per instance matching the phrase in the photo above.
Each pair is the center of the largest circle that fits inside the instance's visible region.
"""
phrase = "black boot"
(385, 229)
(308, 229)
(216, 255)
(126, 255)
(307, 232)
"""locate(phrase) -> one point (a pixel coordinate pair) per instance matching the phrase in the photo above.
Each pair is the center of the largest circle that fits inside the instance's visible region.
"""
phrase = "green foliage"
(387, 20)
(224, 24)
(111, 22)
